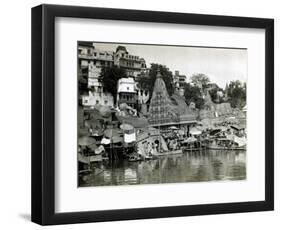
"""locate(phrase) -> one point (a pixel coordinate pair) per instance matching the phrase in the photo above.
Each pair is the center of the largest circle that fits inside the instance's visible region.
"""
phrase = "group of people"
(152, 148)
(173, 144)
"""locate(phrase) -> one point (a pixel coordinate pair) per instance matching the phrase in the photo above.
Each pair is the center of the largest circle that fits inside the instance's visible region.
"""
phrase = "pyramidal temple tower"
(160, 109)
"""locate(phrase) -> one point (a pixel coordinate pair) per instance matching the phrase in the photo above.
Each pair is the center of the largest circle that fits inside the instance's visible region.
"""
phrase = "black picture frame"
(43, 114)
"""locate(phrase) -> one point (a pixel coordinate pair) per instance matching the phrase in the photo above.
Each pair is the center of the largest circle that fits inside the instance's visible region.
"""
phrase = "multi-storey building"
(179, 81)
(133, 65)
(97, 98)
(91, 61)
(143, 97)
(126, 92)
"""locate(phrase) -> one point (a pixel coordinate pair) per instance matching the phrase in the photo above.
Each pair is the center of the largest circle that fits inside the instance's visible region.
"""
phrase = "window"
(97, 102)
(128, 88)
(105, 102)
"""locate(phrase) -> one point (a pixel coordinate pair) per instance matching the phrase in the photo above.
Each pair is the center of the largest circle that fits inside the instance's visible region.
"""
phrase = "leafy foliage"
(237, 94)
(200, 80)
(109, 78)
(83, 80)
(193, 94)
(147, 82)
(214, 95)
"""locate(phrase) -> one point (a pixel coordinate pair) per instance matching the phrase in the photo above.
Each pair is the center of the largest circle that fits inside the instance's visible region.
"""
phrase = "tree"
(214, 93)
(236, 92)
(147, 82)
(109, 78)
(200, 80)
(193, 94)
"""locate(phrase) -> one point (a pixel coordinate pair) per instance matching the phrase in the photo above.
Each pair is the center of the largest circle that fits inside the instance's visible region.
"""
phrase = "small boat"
(192, 145)
(227, 148)
(134, 158)
(171, 152)
(85, 171)
(89, 159)
(178, 151)
(224, 144)
(147, 157)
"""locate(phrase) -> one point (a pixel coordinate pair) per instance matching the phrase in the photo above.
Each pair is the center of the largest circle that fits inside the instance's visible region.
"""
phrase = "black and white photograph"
(153, 114)
(148, 113)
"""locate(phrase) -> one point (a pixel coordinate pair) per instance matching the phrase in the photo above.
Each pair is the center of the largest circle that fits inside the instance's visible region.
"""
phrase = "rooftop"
(123, 48)
(126, 85)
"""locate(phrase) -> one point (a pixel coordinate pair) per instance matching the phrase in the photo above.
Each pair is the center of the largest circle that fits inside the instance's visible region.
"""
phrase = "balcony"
(97, 57)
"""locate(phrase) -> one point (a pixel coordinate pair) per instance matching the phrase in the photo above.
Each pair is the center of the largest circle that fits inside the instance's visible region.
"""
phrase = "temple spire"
(160, 109)
(158, 75)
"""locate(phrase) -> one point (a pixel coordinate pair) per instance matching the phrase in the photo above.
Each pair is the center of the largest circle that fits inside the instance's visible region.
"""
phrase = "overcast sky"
(220, 64)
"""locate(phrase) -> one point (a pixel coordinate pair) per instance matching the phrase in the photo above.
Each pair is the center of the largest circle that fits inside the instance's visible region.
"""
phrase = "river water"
(207, 165)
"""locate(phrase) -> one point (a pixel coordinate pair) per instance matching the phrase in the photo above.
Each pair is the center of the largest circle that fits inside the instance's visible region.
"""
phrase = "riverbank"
(208, 165)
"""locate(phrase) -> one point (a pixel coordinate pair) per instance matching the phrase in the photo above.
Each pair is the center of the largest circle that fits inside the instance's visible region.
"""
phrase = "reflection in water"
(209, 165)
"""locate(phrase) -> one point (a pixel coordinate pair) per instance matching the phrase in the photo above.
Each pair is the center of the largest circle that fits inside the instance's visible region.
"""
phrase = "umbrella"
(86, 141)
(92, 147)
(105, 111)
(136, 122)
(113, 140)
(95, 126)
(123, 106)
(112, 132)
(97, 106)
(190, 139)
(83, 132)
(93, 123)
(215, 131)
(93, 113)
(126, 127)
(181, 132)
(173, 127)
(195, 131)
(116, 139)
(114, 135)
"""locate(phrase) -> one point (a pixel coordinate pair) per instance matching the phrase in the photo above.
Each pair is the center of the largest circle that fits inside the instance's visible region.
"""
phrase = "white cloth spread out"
(128, 138)
(99, 150)
(105, 141)
(241, 141)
